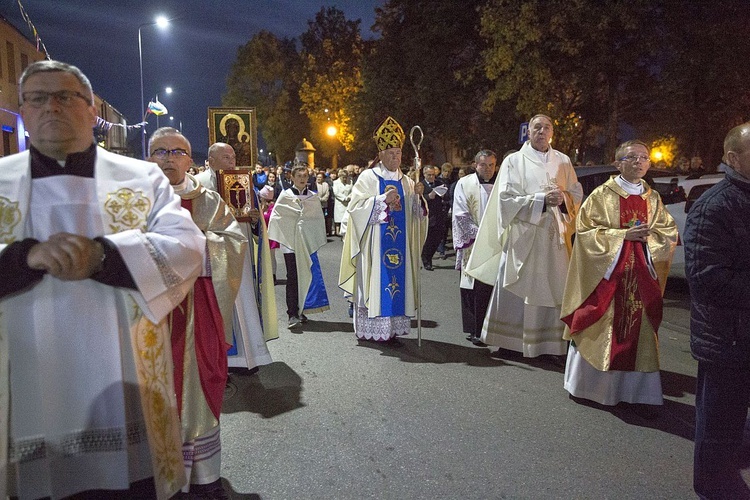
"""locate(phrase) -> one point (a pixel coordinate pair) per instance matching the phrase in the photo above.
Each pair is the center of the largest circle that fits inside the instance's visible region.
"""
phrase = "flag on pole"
(156, 108)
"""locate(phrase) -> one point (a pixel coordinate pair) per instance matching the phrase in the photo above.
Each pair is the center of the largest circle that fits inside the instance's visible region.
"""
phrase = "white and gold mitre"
(389, 135)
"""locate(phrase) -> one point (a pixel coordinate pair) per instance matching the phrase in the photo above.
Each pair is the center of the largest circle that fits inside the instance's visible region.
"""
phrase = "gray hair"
(484, 152)
(49, 66)
(167, 131)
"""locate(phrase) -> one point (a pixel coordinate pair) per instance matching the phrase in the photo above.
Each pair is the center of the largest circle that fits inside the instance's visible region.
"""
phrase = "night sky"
(193, 55)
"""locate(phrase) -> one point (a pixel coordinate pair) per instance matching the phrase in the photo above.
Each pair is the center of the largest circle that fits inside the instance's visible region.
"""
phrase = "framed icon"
(238, 128)
(235, 187)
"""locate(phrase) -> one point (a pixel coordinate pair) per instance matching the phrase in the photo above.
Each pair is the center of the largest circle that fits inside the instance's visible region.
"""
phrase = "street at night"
(334, 417)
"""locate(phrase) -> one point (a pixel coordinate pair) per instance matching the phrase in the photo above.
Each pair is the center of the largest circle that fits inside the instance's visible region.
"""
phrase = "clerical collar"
(543, 155)
(80, 164)
(297, 192)
(490, 181)
(183, 186)
(629, 187)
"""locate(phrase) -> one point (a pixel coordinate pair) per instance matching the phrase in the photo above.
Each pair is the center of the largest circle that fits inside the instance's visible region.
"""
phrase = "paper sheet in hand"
(440, 190)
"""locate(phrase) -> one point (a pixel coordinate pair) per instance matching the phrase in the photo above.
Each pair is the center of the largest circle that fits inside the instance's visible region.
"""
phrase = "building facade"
(16, 53)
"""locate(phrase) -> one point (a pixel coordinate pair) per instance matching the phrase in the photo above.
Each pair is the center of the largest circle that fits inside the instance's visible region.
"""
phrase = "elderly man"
(523, 245)
(96, 251)
(386, 230)
(254, 315)
(470, 197)
(613, 297)
(434, 190)
(201, 325)
(220, 157)
(717, 265)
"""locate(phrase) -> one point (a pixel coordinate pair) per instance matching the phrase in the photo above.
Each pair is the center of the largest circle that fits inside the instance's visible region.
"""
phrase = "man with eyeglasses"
(95, 253)
(470, 197)
(523, 246)
(201, 325)
(612, 306)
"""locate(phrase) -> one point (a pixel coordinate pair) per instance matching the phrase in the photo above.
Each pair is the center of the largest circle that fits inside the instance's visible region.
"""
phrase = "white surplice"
(470, 200)
(91, 392)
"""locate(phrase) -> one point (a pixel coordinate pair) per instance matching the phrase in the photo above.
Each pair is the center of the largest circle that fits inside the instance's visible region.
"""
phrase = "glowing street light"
(331, 131)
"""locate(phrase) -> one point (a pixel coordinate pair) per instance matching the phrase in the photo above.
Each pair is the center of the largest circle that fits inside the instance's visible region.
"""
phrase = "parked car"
(678, 192)
(593, 176)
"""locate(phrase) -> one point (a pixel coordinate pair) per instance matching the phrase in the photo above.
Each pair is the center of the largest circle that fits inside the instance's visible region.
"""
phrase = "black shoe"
(394, 342)
(646, 412)
(429, 267)
(470, 337)
(478, 342)
(211, 491)
(303, 318)
(293, 321)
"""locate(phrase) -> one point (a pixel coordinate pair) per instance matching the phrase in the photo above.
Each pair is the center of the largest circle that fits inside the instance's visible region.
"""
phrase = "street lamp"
(171, 119)
(168, 91)
(161, 22)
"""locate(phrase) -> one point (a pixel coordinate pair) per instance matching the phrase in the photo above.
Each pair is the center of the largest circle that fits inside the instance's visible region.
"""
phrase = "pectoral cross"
(550, 185)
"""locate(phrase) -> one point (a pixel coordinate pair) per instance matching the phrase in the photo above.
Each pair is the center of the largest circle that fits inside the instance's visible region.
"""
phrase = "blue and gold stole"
(393, 262)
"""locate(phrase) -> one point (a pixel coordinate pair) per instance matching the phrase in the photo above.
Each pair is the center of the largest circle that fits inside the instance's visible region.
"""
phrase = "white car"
(678, 194)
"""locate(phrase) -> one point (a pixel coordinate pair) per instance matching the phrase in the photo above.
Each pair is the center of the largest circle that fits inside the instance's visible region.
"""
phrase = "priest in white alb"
(523, 246)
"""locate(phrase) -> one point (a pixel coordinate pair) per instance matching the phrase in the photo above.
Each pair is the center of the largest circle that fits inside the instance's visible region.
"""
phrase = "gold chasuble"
(202, 325)
(613, 295)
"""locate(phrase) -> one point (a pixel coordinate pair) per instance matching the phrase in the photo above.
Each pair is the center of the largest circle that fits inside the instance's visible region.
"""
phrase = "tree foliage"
(587, 63)
(469, 72)
(331, 77)
(263, 76)
(423, 70)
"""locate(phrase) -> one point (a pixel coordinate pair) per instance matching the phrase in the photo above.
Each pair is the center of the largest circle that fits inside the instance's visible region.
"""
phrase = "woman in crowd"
(342, 190)
(324, 192)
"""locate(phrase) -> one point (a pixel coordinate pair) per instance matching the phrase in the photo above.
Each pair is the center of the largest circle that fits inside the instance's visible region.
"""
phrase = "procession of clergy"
(162, 284)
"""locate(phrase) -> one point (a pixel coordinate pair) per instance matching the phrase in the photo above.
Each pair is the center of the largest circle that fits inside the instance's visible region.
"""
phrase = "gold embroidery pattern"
(393, 287)
(472, 203)
(10, 216)
(392, 230)
(159, 405)
(633, 306)
(128, 209)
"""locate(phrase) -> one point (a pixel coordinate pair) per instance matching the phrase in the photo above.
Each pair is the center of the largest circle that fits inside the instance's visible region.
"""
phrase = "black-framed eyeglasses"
(635, 158)
(162, 153)
(38, 98)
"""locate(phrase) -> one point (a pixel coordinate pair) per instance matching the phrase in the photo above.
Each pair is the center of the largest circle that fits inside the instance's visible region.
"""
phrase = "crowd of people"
(129, 287)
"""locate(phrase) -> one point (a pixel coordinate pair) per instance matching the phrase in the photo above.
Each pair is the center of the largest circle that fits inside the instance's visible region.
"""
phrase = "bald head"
(737, 149)
(221, 156)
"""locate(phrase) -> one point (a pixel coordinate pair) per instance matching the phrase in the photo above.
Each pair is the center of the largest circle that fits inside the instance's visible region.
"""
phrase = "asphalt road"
(333, 417)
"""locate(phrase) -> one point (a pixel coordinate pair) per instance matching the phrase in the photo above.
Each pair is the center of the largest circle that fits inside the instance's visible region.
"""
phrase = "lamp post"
(331, 131)
(171, 119)
(161, 22)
